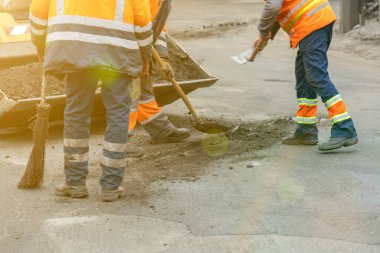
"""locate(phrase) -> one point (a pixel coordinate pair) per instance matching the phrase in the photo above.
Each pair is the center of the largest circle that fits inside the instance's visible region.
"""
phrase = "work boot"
(177, 135)
(134, 152)
(300, 140)
(65, 190)
(112, 195)
(338, 142)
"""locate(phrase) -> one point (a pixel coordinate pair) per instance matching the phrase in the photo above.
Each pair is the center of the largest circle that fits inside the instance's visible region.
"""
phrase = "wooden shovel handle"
(178, 88)
(253, 56)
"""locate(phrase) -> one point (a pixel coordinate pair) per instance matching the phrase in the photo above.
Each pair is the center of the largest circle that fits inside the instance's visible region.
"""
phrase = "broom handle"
(43, 88)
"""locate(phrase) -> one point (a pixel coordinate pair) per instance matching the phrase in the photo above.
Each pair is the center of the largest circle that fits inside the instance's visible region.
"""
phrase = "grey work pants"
(80, 92)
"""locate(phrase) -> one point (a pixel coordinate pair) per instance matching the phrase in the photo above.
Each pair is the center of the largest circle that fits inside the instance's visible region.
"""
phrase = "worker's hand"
(40, 54)
(261, 42)
(166, 71)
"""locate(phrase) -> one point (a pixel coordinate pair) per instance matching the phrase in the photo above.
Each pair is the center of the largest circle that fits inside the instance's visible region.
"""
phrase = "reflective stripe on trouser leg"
(117, 101)
(307, 112)
(150, 115)
(337, 109)
(342, 124)
(80, 91)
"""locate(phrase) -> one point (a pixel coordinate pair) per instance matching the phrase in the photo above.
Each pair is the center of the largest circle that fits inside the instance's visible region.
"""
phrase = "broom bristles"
(34, 172)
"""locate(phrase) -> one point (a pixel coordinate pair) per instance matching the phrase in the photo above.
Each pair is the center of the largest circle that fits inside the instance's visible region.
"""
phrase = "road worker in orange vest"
(92, 40)
(145, 109)
(309, 24)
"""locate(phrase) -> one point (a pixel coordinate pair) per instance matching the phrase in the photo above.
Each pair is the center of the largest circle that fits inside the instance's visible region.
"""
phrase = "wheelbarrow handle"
(177, 87)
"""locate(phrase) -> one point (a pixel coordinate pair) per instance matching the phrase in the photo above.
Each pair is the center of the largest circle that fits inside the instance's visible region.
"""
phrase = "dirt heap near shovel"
(24, 81)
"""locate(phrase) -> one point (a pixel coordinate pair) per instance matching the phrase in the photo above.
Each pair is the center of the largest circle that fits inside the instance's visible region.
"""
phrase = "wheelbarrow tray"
(16, 115)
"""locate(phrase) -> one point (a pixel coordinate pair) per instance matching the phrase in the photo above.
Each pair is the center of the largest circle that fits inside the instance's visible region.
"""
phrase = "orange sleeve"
(142, 16)
(38, 18)
(143, 28)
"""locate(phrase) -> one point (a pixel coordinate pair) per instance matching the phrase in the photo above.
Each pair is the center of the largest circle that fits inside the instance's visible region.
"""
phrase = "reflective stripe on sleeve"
(76, 143)
(143, 29)
(115, 147)
(145, 42)
(37, 32)
(38, 21)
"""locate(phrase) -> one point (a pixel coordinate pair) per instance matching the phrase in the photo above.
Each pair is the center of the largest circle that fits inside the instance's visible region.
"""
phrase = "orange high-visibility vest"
(112, 35)
(299, 18)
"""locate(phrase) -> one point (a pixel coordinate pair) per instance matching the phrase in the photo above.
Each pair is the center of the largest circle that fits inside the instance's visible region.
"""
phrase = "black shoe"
(300, 140)
(177, 135)
(338, 142)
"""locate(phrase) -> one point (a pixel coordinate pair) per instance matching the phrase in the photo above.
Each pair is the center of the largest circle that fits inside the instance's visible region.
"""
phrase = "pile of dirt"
(24, 81)
(186, 161)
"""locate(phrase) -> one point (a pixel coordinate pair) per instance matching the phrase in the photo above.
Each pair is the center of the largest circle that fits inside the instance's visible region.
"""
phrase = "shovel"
(248, 55)
(206, 127)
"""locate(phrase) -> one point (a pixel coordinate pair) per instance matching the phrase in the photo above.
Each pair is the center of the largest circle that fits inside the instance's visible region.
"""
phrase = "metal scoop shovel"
(206, 127)
(248, 55)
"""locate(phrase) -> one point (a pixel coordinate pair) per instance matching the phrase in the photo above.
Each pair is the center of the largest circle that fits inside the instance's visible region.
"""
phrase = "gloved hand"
(261, 42)
(166, 71)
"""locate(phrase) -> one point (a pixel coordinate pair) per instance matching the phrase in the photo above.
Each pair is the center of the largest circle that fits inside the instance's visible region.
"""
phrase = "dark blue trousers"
(313, 79)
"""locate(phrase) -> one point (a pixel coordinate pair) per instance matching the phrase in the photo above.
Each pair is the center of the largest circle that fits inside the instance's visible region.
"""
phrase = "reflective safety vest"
(299, 18)
(112, 35)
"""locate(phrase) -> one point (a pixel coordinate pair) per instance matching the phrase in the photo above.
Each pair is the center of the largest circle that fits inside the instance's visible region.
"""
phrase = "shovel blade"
(211, 128)
(244, 57)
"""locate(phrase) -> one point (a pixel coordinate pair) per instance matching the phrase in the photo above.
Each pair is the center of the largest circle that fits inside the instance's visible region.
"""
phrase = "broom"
(34, 172)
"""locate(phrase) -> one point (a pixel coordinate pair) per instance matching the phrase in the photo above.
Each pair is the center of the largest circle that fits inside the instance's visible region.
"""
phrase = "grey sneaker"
(177, 135)
(65, 190)
(134, 152)
(112, 195)
(300, 140)
(337, 142)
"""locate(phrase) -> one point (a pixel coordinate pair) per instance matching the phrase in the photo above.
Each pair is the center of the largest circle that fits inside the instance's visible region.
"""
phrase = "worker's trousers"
(116, 96)
(146, 111)
(312, 81)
